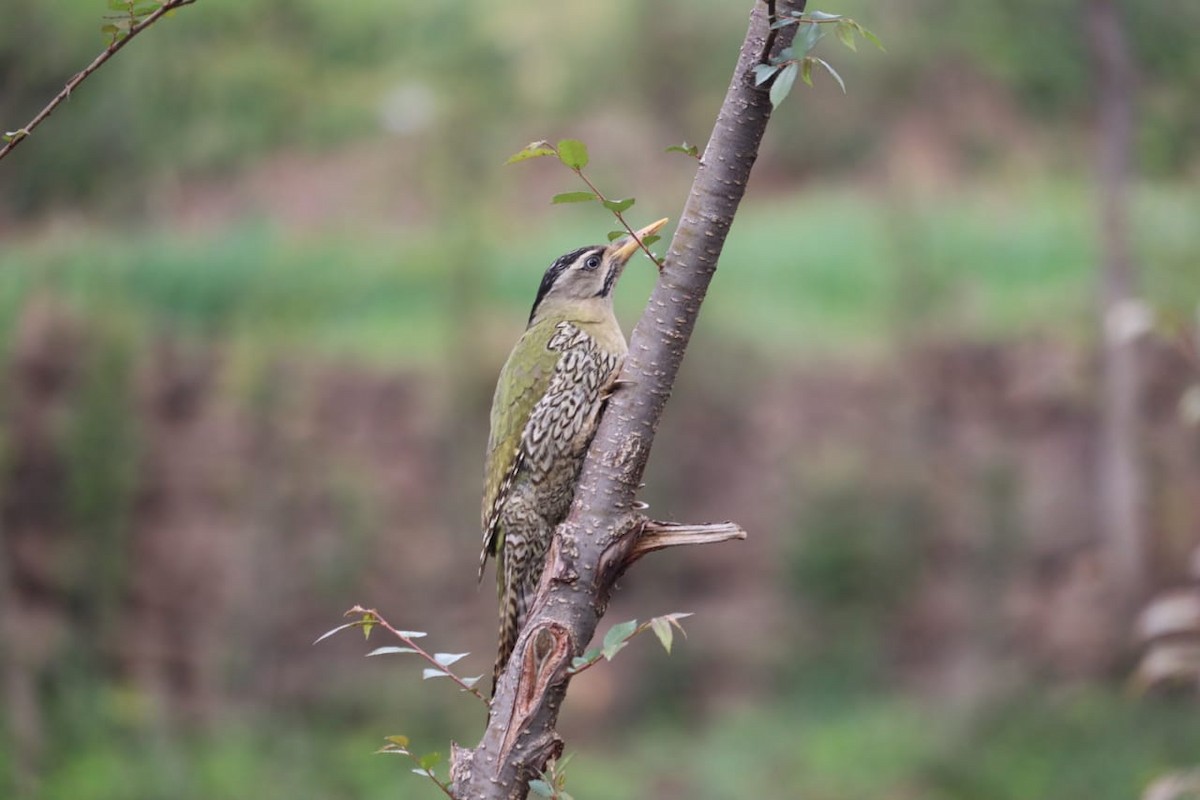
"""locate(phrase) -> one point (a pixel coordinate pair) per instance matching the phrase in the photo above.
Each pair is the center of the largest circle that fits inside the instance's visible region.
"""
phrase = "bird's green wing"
(523, 381)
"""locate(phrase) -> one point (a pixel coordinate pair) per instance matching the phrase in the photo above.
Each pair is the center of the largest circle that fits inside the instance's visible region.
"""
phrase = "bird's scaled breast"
(561, 425)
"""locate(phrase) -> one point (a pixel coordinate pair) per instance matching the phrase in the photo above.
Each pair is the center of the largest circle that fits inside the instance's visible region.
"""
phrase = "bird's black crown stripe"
(561, 264)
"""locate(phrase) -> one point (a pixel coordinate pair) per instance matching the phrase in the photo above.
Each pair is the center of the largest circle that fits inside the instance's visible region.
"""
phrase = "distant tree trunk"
(1120, 507)
(20, 723)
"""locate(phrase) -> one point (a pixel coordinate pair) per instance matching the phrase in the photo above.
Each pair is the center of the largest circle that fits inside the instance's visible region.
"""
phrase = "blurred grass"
(1081, 744)
(828, 270)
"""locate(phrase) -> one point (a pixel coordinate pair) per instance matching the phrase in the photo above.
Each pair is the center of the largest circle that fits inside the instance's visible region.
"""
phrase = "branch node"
(546, 653)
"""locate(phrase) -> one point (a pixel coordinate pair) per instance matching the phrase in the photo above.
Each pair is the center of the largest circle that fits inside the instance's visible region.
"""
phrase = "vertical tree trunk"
(1120, 506)
(599, 538)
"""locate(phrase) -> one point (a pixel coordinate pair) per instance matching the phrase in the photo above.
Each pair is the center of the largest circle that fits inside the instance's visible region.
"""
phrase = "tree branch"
(601, 535)
(657, 535)
(21, 134)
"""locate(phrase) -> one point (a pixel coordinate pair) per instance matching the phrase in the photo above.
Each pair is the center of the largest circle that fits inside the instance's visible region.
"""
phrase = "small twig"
(619, 216)
(22, 133)
(771, 32)
(387, 626)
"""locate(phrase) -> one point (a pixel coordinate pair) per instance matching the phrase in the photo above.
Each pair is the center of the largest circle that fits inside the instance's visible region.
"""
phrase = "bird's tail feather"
(513, 610)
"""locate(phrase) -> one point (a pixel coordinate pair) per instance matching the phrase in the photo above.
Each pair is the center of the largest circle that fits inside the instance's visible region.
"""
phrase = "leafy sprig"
(795, 60)
(618, 637)
(369, 618)
(135, 17)
(552, 783)
(130, 14)
(398, 745)
(573, 154)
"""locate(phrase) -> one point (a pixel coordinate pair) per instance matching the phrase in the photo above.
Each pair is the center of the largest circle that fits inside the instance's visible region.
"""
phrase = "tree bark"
(597, 541)
(1121, 502)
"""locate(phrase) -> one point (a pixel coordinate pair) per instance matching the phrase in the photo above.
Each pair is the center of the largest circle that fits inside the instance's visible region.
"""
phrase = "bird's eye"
(592, 262)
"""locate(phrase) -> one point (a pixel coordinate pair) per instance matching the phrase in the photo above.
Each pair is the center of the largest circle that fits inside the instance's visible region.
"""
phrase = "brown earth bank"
(185, 527)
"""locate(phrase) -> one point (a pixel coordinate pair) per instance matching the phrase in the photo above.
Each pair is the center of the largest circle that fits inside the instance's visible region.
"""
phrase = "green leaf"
(446, 659)
(821, 15)
(589, 656)
(783, 23)
(388, 651)
(531, 150)
(763, 72)
(685, 148)
(617, 637)
(866, 34)
(618, 205)
(367, 625)
(429, 761)
(614, 235)
(399, 741)
(806, 71)
(662, 629)
(541, 788)
(573, 153)
(845, 33)
(573, 197)
(783, 84)
(651, 239)
(832, 72)
(430, 672)
(808, 39)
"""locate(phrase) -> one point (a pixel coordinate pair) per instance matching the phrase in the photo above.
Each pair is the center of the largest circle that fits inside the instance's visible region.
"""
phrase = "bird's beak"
(629, 245)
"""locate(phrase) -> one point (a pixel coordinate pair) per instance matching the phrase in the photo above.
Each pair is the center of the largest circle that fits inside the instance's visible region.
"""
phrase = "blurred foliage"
(858, 552)
(827, 272)
(1082, 745)
(225, 81)
(101, 430)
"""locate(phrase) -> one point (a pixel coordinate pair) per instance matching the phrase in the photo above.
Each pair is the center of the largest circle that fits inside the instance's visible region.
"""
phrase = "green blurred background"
(257, 278)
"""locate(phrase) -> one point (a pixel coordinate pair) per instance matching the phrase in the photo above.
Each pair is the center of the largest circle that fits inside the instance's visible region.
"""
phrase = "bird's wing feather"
(523, 381)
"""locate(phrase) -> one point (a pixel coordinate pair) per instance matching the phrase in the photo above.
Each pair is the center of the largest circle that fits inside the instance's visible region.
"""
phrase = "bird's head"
(586, 275)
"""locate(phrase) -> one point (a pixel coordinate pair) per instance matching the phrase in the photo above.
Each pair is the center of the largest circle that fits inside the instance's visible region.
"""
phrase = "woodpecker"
(544, 412)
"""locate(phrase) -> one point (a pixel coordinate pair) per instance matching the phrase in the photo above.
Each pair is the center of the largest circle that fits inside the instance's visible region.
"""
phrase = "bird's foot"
(615, 386)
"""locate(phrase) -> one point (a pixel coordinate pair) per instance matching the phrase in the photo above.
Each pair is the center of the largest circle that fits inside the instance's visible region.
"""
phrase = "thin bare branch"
(620, 219)
(22, 133)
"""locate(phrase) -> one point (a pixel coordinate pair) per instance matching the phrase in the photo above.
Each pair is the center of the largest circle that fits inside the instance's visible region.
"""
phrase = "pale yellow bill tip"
(627, 250)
